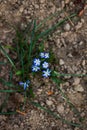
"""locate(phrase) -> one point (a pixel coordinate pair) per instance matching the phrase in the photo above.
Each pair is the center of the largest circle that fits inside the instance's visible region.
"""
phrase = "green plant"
(28, 45)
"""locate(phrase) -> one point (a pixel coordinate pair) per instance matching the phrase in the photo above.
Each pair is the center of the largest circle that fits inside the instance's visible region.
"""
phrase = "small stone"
(76, 81)
(41, 116)
(70, 55)
(21, 9)
(79, 88)
(42, 1)
(76, 128)
(49, 102)
(2, 117)
(21, 124)
(67, 27)
(60, 108)
(15, 126)
(53, 123)
(79, 25)
(61, 62)
(67, 1)
(36, 6)
(39, 91)
(83, 63)
(63, 4)
(82, 20)
(76, 98)
(58, 41)
(81, 43)
(82, 114)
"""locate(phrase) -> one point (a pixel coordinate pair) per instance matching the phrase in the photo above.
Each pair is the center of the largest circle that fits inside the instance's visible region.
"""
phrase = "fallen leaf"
(20, 112)
(81, 12)
(49, 93)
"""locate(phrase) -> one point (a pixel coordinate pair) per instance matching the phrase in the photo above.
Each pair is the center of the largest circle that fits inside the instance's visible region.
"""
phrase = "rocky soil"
(70, 49)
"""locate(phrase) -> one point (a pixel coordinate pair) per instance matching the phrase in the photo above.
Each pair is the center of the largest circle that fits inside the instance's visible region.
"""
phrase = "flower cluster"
(24, 84)
(36, 65)
(42, 64)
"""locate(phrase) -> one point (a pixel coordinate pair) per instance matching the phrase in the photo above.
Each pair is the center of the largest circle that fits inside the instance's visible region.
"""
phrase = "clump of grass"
(28, 45)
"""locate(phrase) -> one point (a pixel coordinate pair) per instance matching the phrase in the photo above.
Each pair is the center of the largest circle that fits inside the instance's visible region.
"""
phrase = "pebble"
(41, 116)
(15, 126)
(39, 91)
(53, 124)
(22, 124)
(36, 6)
(79, 88)
(76, 128)
(67, 27)
(49, 102)
(76, 98)
(70, 55)
(67, 1)
(42, 1)
(79, 25)
(83, 63)
(21, 9)
(61, 62)
(76, 81)
(3, 117)
(2, 123)
(62, 4)
(60, 108)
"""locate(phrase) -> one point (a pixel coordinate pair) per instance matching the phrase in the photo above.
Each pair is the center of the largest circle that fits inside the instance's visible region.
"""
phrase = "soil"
(70, 49)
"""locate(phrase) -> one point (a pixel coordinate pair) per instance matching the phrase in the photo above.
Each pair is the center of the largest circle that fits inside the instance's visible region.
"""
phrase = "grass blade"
(3, 105)
(73, 75)
(10, 60)
(8, 113)
(9, 91)
(9, 84)
(48, 31)
(57, 81)
(55, 115)
(2, 63)
(32, 41)
(48, 18)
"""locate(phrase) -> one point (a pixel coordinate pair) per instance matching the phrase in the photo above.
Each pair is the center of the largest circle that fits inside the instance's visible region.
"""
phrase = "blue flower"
(28, 81)
(46, 55)
(46, 73)
(45, 65)
(24, 84)
(42, 54)
(21, 83)
(37, 62)
(35, 68)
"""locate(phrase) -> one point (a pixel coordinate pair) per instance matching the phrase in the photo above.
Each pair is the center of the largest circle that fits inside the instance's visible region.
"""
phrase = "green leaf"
(19, 72)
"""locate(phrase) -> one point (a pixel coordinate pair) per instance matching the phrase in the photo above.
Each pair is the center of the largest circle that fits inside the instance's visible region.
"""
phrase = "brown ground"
(70, 50)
